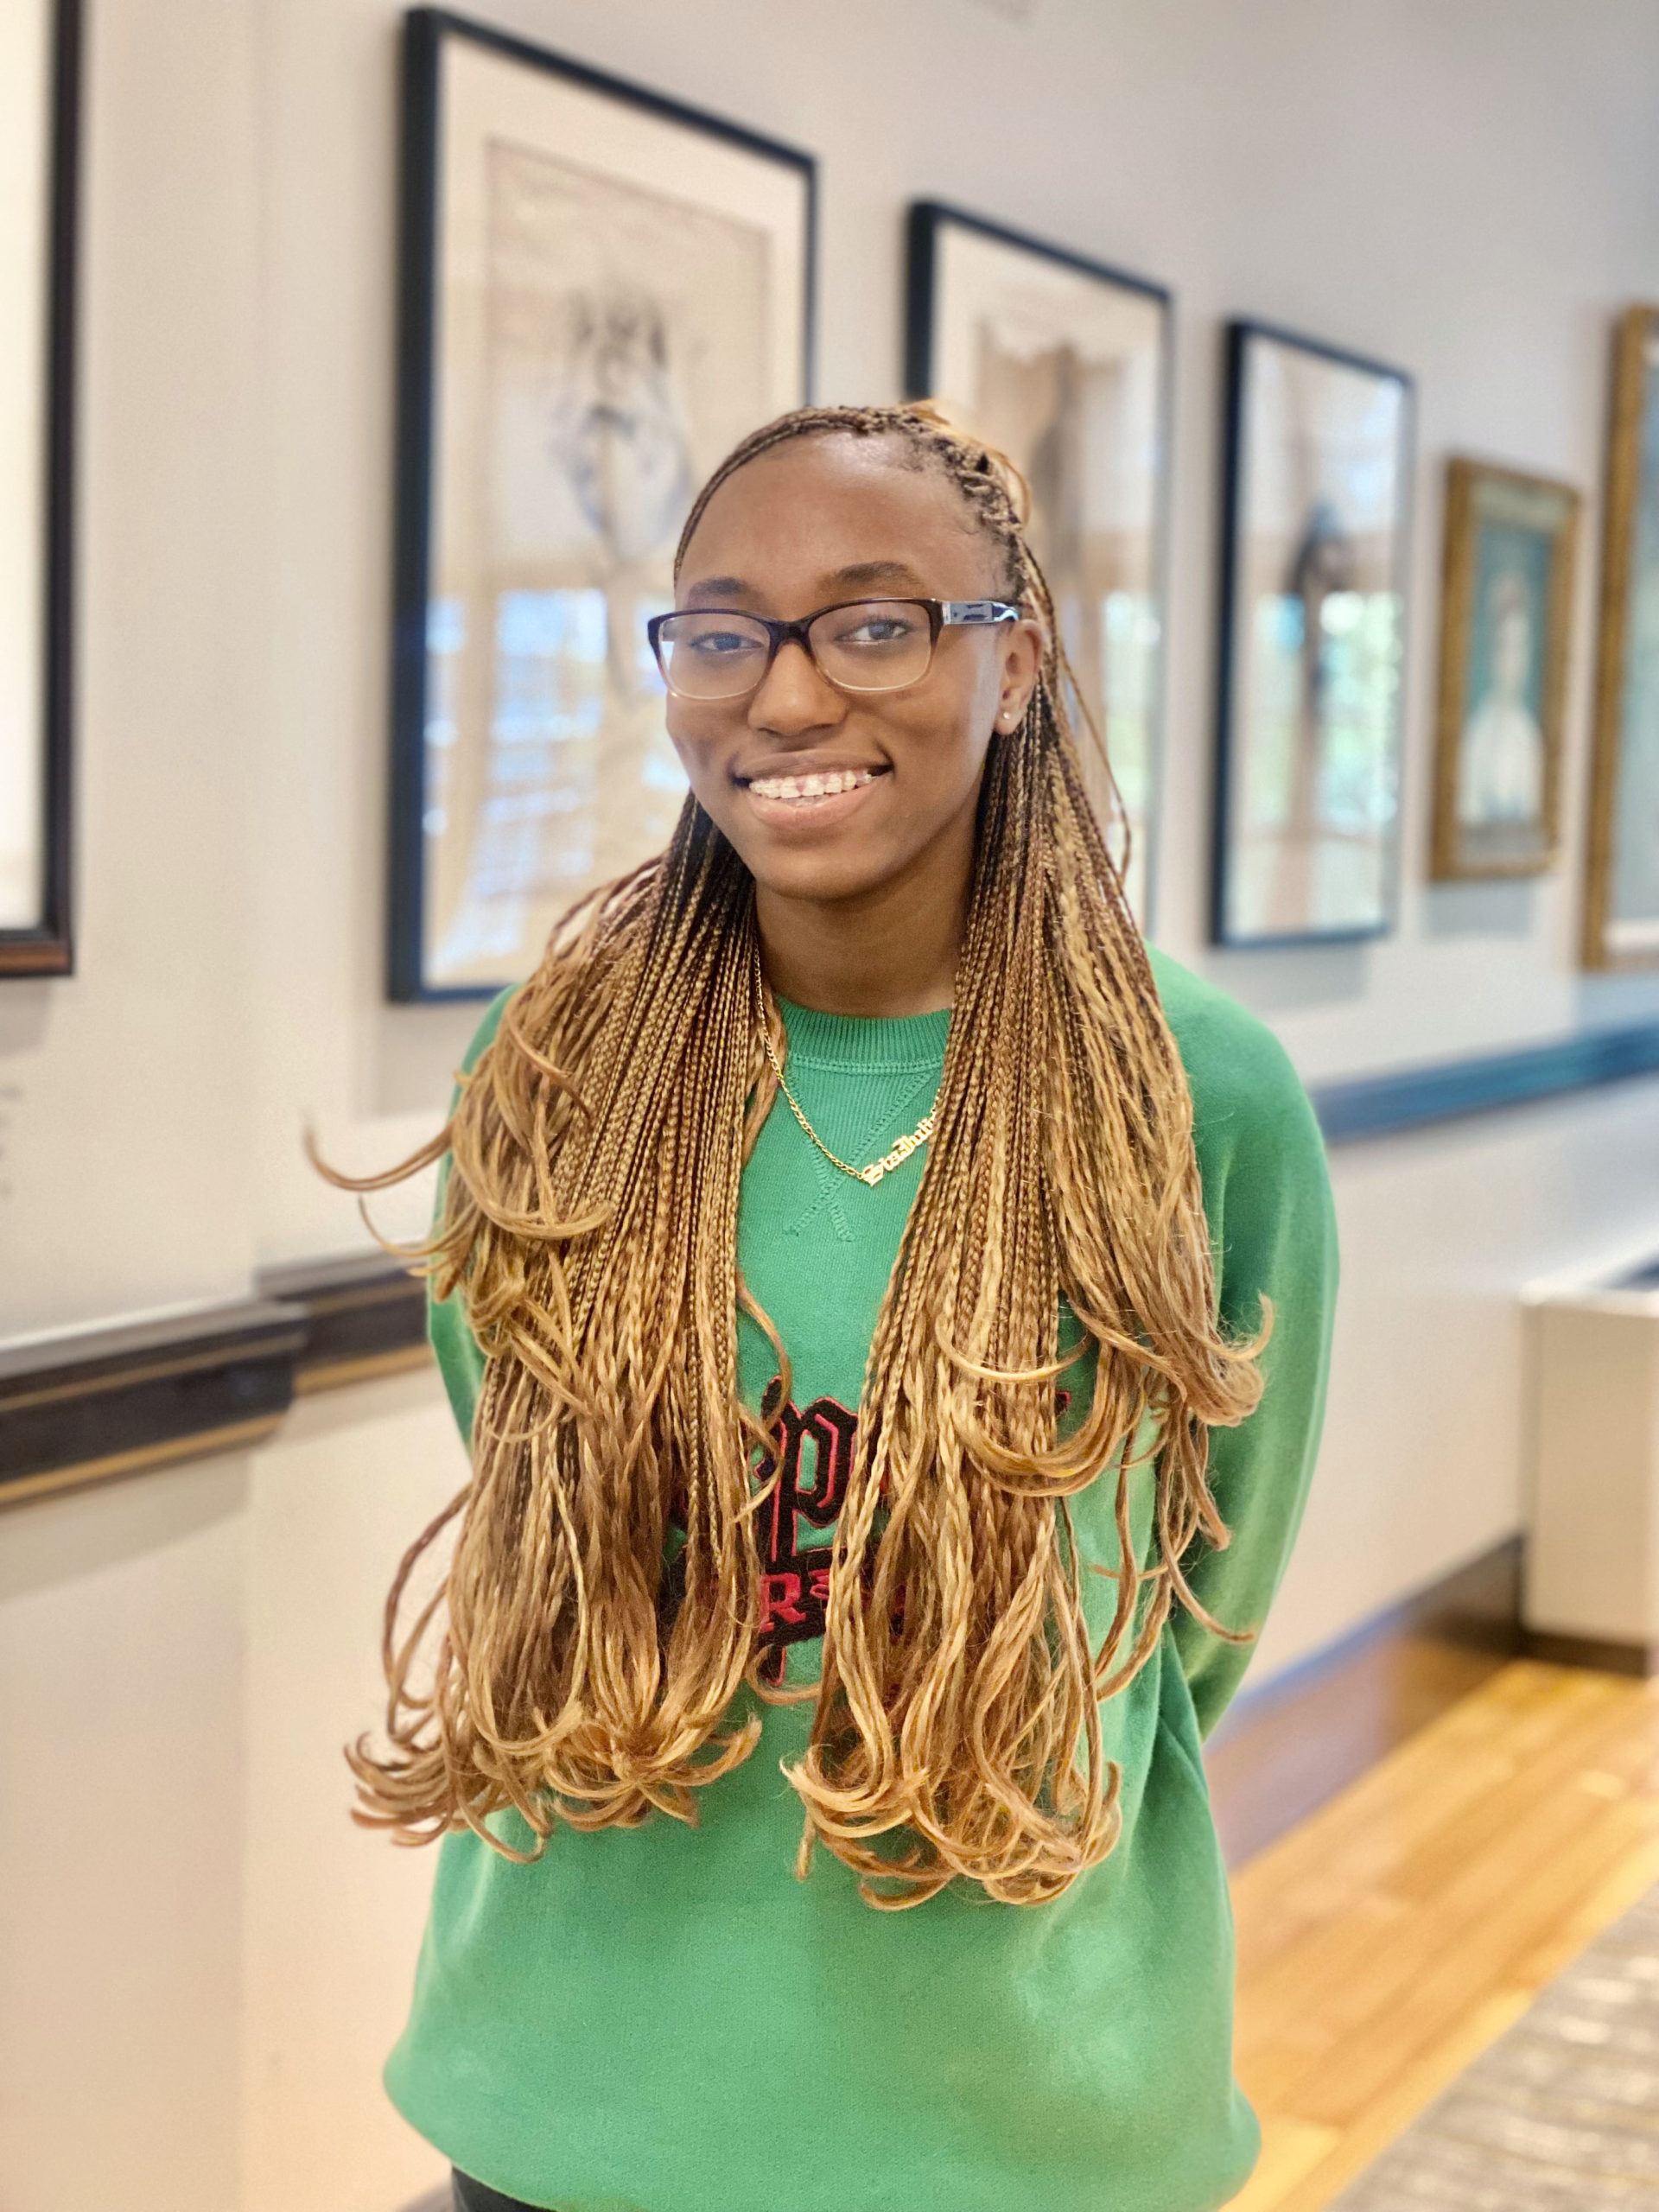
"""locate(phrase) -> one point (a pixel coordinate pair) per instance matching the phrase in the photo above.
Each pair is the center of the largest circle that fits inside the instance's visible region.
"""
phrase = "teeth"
(820, 787)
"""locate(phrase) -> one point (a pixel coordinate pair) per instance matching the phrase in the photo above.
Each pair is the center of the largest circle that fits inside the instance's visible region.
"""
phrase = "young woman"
(889, 1313)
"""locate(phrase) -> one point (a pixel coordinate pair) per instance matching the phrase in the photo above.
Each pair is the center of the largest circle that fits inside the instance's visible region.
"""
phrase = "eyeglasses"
(869, 645)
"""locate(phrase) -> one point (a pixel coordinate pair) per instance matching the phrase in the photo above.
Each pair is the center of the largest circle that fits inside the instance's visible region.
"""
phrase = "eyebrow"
(877, 572)
(716, 589)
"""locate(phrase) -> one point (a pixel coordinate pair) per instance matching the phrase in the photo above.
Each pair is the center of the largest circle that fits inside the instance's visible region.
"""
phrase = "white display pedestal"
(1591, 1587)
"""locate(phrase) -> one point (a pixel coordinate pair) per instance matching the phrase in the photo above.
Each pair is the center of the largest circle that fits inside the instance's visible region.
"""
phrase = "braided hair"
(590, 1225)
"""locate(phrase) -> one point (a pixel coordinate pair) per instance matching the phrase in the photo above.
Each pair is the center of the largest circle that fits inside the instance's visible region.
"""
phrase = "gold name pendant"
(900, 1153)
(870, 1176)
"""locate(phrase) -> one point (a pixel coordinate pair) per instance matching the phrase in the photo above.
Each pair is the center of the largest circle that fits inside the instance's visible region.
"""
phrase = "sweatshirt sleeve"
(449, 1331)
(1268, 1198)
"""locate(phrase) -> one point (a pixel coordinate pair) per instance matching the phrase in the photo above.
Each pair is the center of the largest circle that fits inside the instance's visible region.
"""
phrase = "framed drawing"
(602, 291)
(40, 49)
(1621, 905)
(1506, 612)
(1313, 634)
(1064, 364)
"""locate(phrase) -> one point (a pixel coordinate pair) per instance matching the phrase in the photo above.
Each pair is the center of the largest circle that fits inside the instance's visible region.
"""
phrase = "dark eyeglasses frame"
(941, 613)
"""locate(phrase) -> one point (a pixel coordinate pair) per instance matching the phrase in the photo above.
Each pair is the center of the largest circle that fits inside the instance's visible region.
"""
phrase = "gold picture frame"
(1506, 617)
(1621, 896)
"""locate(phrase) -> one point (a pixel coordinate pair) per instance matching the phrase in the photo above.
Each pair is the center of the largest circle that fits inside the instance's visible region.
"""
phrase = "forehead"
(790, 522)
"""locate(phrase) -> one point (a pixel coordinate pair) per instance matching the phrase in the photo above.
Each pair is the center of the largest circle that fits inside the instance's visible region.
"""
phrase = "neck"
(879, 954)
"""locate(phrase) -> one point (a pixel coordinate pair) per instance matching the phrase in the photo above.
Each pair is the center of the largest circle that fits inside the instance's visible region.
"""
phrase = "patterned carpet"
(1560, 2115)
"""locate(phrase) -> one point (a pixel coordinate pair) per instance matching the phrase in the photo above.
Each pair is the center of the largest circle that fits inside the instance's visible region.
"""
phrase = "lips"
(803, 800)
(827, 783)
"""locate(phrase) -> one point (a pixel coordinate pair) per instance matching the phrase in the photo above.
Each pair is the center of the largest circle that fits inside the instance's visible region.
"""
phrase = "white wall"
(121, 1650)
(125, 1179)
(331, 1914)
(1425, 1451)
(203, 1961)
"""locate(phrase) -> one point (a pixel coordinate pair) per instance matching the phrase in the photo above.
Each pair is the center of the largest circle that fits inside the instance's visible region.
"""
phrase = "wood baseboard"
(1282, 1750)
(1607, 1656)
(362, 1317)
(94, 1405)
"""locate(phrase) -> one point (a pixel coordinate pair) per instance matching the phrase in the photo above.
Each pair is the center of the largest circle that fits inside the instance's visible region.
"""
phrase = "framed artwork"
(1313, 637)
(1621, 906)
(602, 291)
(1064, 364)
(1506, 612)
(39, 50)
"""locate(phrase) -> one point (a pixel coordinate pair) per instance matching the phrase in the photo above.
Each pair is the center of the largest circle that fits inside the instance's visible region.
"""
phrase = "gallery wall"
(235, 463)
(207, 1960)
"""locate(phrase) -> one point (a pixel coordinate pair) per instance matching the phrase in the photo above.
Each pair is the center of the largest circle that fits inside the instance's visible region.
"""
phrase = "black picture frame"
(46, 948)
(923, 223)
(1242, 333)
(928, 224)
(427, 31)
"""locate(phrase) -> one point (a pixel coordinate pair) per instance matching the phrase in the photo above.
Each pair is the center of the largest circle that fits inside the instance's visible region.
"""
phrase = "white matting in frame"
(618, 291)
(1064, 363)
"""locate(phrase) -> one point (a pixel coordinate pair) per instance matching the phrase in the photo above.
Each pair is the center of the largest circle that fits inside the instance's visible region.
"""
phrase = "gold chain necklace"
(872, 1174)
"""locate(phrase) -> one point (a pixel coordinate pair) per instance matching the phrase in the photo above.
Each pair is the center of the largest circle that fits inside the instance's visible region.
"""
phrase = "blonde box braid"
(590, 1224)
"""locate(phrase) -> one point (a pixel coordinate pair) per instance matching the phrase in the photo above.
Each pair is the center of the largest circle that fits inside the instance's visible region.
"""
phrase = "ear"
(1022, 647)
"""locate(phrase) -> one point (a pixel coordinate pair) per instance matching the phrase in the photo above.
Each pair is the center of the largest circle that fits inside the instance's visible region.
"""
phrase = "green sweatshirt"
(665, 2019)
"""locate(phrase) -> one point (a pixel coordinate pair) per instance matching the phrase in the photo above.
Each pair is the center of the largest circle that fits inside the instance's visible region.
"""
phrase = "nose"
(793, 697)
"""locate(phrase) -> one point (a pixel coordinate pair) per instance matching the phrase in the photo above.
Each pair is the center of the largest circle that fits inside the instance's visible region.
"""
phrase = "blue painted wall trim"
(1377, 1105)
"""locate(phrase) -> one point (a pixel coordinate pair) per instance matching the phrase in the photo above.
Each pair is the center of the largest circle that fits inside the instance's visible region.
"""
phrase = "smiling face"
(828, 794)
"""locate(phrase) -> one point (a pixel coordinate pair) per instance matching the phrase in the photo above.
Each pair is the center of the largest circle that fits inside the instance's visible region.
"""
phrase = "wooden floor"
(1271, 1766)
(1389, 1939)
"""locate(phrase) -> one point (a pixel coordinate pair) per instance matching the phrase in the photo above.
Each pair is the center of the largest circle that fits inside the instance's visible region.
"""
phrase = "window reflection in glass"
(1130, 638)
(446, 638)
(533, 818)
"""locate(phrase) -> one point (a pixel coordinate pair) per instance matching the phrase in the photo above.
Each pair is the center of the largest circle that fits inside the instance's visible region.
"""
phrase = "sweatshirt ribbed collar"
(893, 1046)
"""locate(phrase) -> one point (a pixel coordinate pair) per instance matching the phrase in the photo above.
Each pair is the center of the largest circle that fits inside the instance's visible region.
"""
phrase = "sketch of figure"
(1324, 563)
(616, 427)
(1079, 418)
(1501, 757)
(625, 349)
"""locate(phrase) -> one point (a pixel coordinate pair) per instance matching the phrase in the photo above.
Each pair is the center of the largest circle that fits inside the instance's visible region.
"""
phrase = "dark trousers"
(473, 2197)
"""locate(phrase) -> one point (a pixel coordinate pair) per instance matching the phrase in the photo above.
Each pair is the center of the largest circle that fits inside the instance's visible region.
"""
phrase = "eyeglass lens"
(878, 644)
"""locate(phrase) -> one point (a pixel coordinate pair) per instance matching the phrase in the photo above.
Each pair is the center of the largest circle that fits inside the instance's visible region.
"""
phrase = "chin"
(817, 876)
